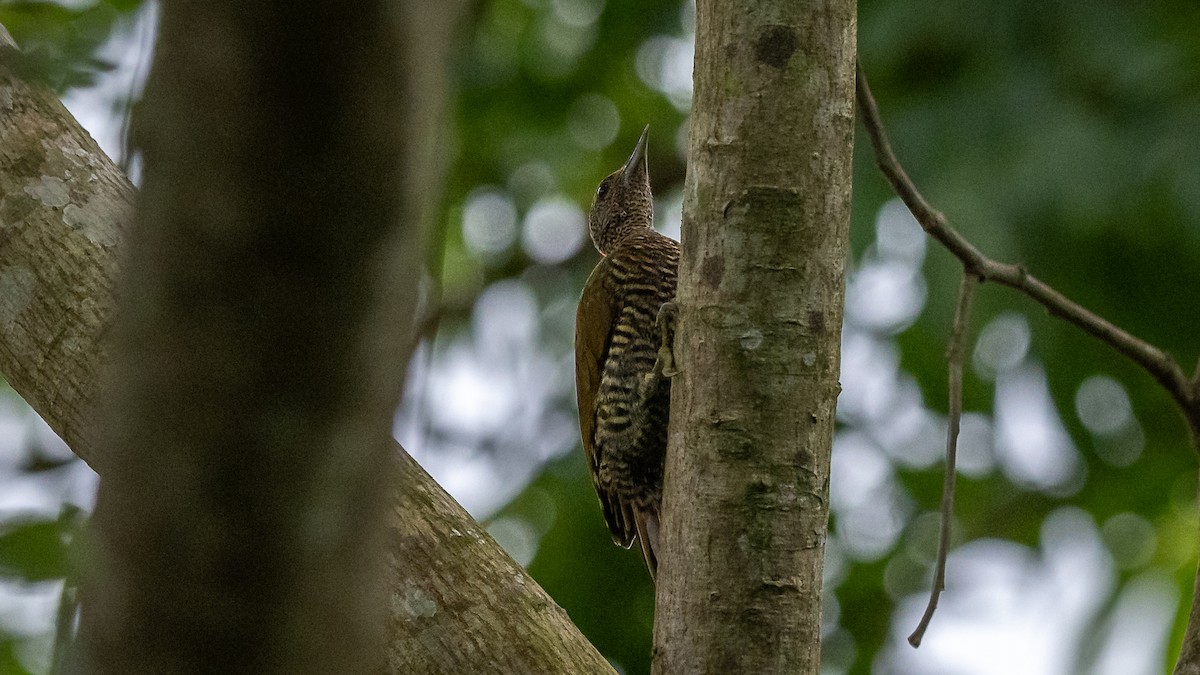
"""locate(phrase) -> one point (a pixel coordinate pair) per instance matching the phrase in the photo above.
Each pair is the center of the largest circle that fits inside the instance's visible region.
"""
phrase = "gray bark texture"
(59, 200)
(455, 602)
(1189, 652)
(766, 220)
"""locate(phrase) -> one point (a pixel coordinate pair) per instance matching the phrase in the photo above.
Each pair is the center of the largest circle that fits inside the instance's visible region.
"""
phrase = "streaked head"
(622, 203)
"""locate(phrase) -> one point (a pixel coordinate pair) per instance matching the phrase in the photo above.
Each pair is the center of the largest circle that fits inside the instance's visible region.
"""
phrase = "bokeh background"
(1060, 137)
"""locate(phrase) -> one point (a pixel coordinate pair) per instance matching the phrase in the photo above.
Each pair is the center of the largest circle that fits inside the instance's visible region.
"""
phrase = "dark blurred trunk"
(265, 308)
(766, 220)
(457, 603)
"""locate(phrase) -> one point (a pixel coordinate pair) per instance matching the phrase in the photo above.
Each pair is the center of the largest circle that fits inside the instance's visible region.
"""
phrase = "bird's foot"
(667, 316)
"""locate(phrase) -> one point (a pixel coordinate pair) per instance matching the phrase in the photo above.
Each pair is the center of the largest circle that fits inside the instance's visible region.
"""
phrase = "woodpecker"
(623, 333)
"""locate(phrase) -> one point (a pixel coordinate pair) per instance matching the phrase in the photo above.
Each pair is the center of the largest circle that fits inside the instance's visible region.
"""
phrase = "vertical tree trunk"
(766, 216)
(265, 311)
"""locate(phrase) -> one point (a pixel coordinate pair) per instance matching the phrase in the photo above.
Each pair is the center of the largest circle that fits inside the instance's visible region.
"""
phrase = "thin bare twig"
(1159, 364)
(955, 355)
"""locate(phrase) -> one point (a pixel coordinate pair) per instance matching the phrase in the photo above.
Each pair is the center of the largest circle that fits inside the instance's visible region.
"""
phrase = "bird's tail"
(647, 530)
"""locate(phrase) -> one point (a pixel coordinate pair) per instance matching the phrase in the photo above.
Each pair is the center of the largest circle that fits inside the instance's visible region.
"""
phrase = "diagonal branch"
(1159, 364)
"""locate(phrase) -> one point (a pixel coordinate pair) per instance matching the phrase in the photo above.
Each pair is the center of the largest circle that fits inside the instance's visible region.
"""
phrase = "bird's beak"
(637, 159)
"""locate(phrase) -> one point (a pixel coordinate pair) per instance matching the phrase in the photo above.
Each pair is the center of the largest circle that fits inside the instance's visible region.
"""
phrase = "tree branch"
(1159, 364)
(955, 356)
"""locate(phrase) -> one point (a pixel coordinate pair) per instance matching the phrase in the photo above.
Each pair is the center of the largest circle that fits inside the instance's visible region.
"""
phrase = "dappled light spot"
(898, 236)
(1136, 633)
(921, 542)
(858, 471)
(668, 214)
(1002, 345)
(553, 231)
(461, 396)
(887, 292)
(532, 181)
(479, 412)
(1131, 540)
(869, 506)
(664, 63)
(904, 575)
(28, 609)
(1013, 609)
(885, 296)
(872, 529)
(489, 223)
(1102, 405)
(838, 651)
(836, 565)
(515, 536)
(1104, 408)
(1122, 448)
(504, 320)
(976, 456)
(1032, 445)
(831, 611)
(578, 13)
(593, 121)
(558, 48)
(870, 368)
(916, 436)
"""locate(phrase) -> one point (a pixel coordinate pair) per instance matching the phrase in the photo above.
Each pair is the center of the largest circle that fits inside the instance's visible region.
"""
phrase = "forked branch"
(1159, 364)
(977, 266)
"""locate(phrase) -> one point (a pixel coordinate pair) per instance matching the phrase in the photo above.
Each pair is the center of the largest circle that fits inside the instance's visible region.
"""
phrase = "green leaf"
(33, 550)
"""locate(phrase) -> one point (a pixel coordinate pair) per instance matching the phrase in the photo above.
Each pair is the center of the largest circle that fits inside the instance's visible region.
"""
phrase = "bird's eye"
(602, 190)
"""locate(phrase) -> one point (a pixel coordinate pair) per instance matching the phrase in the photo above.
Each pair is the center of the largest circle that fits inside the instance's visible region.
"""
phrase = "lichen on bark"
(765, 237)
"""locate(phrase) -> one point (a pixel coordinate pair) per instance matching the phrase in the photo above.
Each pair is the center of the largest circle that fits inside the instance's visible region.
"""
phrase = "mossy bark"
(63, 208)
(455, 602)
(765, 241)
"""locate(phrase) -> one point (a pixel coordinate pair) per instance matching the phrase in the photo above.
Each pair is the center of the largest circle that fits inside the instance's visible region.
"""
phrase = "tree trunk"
(457, 603)
(266, 298)
(766, 219)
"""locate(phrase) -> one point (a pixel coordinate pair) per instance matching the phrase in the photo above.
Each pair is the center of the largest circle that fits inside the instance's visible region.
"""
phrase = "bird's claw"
(666, 362)
(665, 321)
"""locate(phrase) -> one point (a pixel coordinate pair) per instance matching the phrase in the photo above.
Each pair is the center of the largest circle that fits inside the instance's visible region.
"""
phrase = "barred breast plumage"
(623, 400)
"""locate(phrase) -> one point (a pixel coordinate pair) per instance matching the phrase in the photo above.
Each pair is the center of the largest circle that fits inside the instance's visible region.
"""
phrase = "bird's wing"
(593, 323)
(593, 326)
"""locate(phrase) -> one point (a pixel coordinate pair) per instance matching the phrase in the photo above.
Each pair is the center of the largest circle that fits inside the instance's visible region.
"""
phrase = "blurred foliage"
(32, 550)
(59, 41)
(35, 550)
(1060, 139)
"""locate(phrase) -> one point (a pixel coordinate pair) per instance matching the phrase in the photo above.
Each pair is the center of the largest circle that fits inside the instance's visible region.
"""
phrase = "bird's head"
(622, 203)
